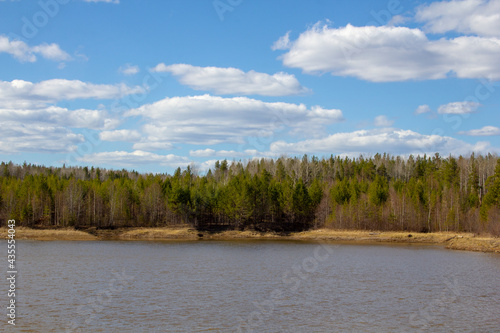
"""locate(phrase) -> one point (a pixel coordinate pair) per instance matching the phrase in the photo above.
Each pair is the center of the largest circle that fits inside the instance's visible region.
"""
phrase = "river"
(253, 286)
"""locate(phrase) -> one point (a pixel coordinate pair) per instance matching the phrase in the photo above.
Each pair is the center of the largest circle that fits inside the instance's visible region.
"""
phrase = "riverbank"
(49, 234)
(455, 241)
(451, 240)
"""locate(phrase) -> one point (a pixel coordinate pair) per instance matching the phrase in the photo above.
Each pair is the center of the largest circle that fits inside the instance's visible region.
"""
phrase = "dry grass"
(159, 233)
(376, 236)
(189, 233)
(484, 244)
(235, 234)
(48, 234)
(456, 241)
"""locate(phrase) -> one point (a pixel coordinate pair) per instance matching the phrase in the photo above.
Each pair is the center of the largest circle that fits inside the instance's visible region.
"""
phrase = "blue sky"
(156, 85)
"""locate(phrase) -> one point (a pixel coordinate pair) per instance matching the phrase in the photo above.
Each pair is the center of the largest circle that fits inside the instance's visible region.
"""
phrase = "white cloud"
(233, 81)
(152, 144)
(423, 109)
(25, 94)
(52, 52)
(129, 69)
(111, 123)
(120, 135)
(485, 131)
(160, 68)
(384, 54)
(397, 20)
(134, 158)
(283, 43)
(202, 152)
(56, 116)
(35, 123)
(223, 153)
(383, 121)
(18, 49)
(23, 52)
(47, 130)
(395, 141)
(459, 108)
(18, 137)
(33, 103)
(316, 119)
(207, 165)
(59, 89)
(479, 17)
(211, 120)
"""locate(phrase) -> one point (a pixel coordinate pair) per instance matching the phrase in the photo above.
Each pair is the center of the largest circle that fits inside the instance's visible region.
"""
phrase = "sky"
(156, 85)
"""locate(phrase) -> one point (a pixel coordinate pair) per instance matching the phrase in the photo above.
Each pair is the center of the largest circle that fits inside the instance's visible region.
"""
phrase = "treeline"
(288, 194)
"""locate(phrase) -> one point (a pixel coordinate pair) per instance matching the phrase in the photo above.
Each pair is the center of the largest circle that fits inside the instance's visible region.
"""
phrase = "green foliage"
(316, 192)
(450, 172)
(383, 192)
(301, 200)
(340, 192)
(492, 197)
(378, 191)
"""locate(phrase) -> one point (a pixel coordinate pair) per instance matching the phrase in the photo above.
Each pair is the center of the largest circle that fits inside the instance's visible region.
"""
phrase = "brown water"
(253, 286)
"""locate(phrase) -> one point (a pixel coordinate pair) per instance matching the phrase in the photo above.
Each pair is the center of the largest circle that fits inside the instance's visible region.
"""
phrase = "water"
(259, 286)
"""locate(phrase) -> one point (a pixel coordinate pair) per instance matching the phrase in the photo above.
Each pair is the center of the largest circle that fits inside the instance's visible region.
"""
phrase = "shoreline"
(450, 240)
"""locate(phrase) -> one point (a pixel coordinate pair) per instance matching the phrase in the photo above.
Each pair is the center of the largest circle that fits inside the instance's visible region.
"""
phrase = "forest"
(381, 192)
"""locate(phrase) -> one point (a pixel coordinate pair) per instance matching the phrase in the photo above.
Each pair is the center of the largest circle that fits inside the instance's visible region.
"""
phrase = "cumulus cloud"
(423, 109)
(206, 165)
(135, 158)
(316, 118)
(396, 141)
(459, 108)
(74, 89)
(58, 116)
(211, 120)
(202, 152)
(397, 20)
(30, 111)
(25, 94)
(37, 138)
(120, 135)
(31, 103)
(223, 153)
(479, 17)
(232, 81)
(485, 131)
(51, 52)
(387, 53)
(25, 53)
(152, 143)
(383, 121)
(283, 43)
(129, 69)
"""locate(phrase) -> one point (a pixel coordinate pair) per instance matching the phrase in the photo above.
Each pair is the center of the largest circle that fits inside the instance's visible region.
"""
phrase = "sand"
(450, 240)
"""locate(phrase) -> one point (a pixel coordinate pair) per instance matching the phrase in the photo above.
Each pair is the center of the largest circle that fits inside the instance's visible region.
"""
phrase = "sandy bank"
(451, 240)
(456, 241)
(49, 234)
